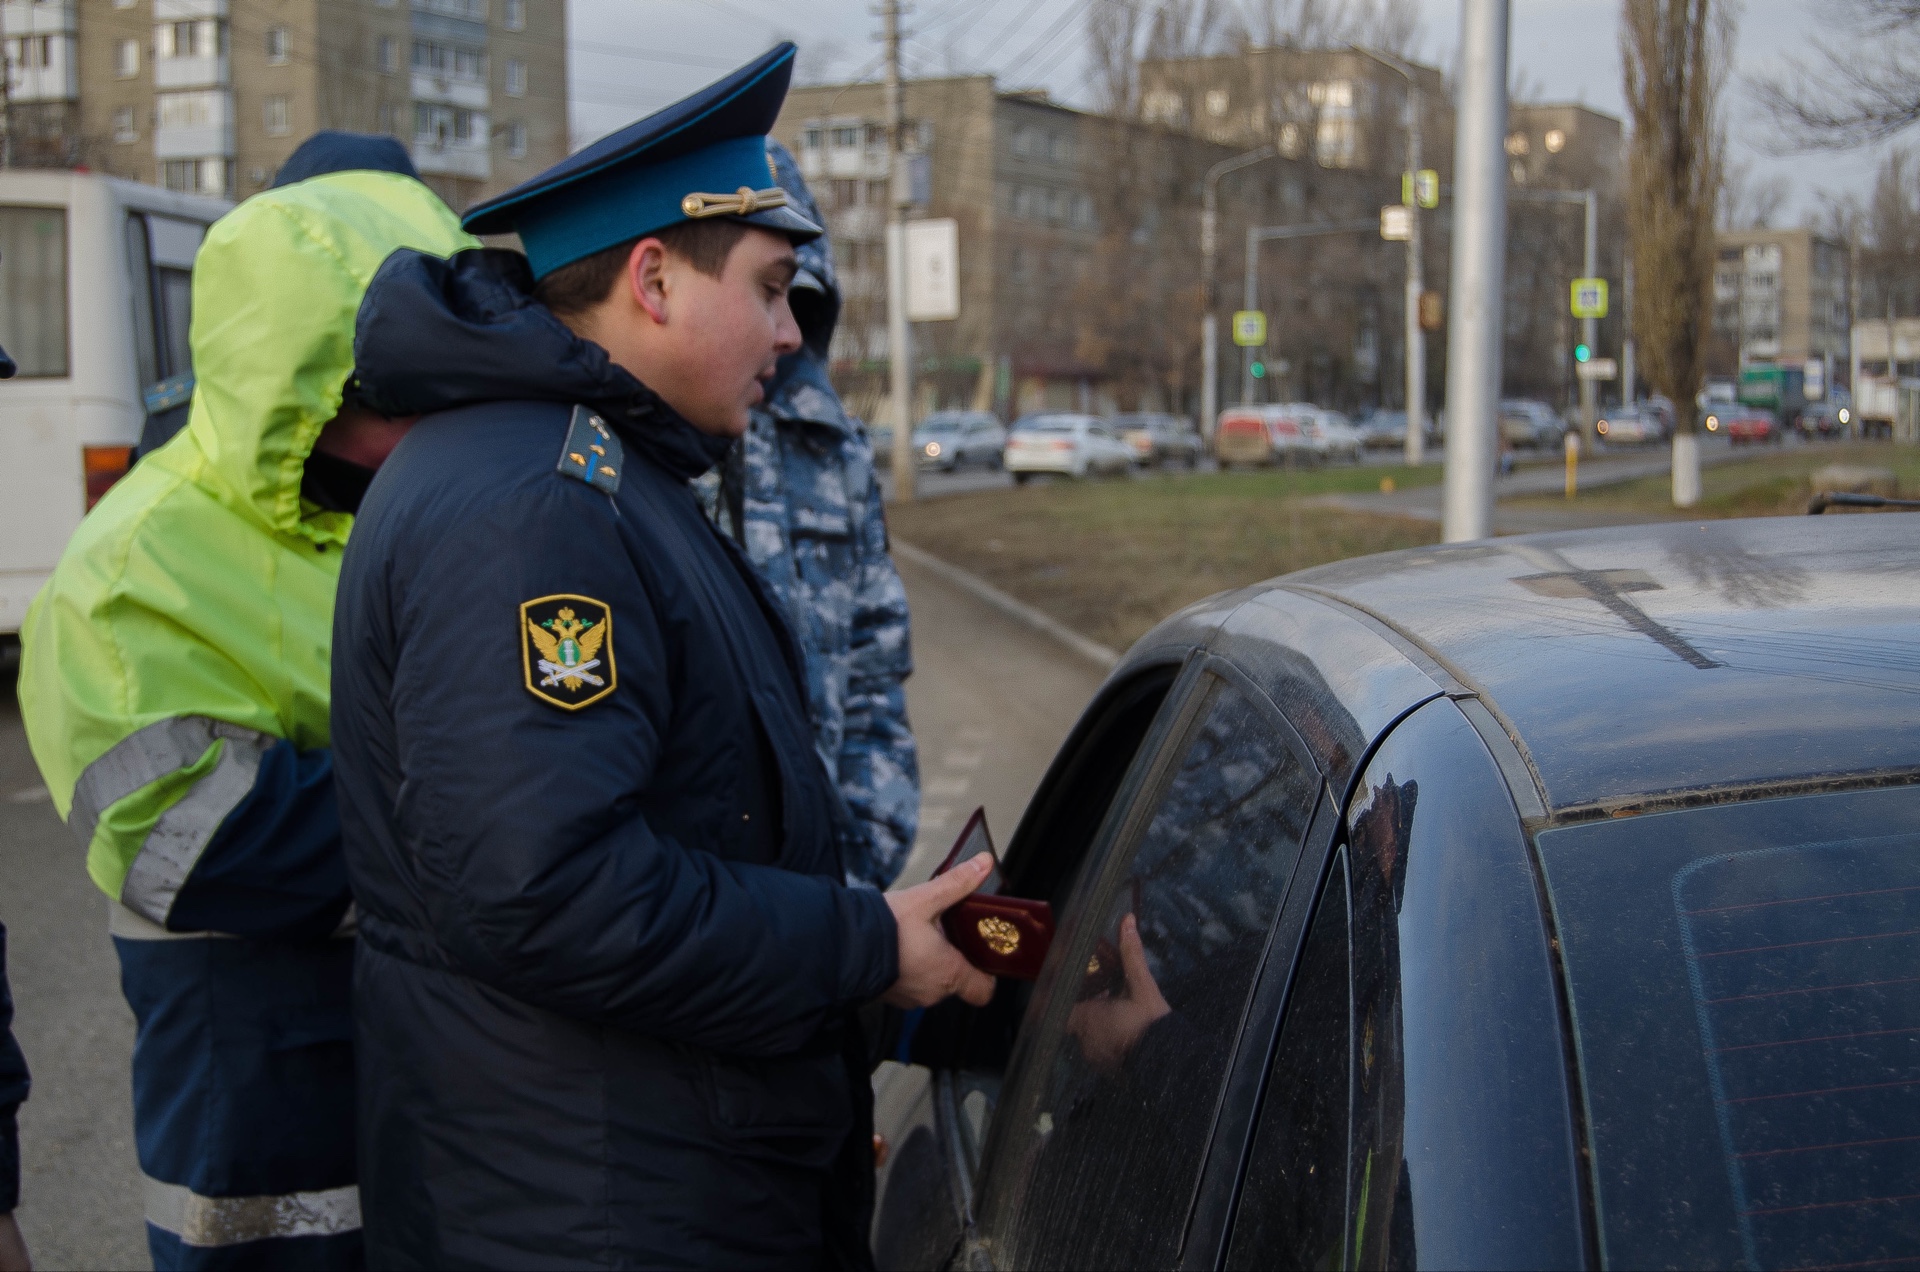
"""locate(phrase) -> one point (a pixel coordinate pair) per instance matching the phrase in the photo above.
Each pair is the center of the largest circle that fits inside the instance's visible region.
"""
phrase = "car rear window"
(1745, 988)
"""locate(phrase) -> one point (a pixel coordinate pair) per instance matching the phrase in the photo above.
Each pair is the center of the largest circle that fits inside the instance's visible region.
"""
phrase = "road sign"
(933, 270)
(1589, 298)
(1598, 369)
(1420, 188)
(1814, 385)
(1396, 222)
(1249, 328)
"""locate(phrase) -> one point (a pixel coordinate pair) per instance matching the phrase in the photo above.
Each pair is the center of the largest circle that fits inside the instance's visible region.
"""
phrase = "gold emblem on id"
(1002, 937)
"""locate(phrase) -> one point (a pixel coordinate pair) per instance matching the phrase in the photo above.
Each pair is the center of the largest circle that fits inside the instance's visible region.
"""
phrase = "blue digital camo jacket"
(800, 495)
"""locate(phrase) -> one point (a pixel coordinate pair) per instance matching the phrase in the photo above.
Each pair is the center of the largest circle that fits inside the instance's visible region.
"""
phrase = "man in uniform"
(799, 495)
(609, 966)
(174, 687)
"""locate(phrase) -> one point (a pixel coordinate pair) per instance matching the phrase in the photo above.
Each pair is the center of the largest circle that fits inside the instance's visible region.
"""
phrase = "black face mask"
(333, 483)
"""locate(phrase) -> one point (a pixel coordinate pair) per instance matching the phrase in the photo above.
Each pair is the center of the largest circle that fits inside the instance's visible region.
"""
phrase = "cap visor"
(783, 221)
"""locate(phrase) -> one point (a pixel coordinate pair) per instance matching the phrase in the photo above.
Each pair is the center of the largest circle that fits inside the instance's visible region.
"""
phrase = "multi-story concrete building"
(1078, 265)
(41, 55)
(1780, 298)
(211, 96)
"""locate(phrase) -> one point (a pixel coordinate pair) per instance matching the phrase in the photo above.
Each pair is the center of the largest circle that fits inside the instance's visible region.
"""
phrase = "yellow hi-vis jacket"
(188, 627)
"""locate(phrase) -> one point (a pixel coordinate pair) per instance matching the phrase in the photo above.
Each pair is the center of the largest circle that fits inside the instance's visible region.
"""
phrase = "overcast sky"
(631, 57)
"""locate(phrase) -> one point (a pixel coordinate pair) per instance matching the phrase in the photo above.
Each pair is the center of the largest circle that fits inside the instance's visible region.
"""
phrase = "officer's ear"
(648, 278)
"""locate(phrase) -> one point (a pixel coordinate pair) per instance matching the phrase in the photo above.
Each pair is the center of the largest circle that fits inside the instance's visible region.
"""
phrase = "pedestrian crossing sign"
(1589, 298)
(1249, 328)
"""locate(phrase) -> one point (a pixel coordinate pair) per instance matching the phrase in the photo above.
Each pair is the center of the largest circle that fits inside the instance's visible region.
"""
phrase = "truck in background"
(95, 298)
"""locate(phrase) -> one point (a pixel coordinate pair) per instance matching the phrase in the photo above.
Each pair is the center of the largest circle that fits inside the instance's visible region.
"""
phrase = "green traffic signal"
(1581, 353)
(1259, 370)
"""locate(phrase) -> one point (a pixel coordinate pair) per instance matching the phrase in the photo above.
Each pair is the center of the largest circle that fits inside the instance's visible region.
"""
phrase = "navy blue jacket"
(607, 965)
(13, 1092)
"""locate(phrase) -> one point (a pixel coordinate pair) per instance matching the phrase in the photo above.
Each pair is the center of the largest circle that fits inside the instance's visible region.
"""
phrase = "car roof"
(1629, 663)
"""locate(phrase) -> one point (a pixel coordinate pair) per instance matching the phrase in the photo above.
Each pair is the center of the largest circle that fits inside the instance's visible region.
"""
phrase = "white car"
(1069, 445)
(1331, 435)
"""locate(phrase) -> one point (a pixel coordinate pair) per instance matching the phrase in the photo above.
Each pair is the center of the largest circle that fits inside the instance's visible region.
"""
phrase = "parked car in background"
(1065, 445)
(1627, 428)
(1823, 419)
(1383, 430)
(949, 440)
(1524, 422)
(1259, 435)
(1745, 425)
(1541, 902)
(1330, 435)
(1159, 439)
(1660, 409)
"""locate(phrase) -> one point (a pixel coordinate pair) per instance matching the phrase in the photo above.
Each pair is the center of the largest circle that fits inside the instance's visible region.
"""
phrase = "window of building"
(201, 109)
(1216, 102)
(276, 46)
(810, 139)
(447, 125)
(516, 140)
(449, 60)
(389, 119)
(879, 195)
(125, 126)
(876, 137)
(1059, 148)
(1023, 143)
(472, 10)
(123, 4)
(514, 15)
(387, 53)
(126, 59)
(279, 116)
(202, 38)
(844, 138)
(516, 77)
(198, 176)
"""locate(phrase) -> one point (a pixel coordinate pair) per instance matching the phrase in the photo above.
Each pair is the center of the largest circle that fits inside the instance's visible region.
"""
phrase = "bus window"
(33, 289)
(160, 252)
(174, 245)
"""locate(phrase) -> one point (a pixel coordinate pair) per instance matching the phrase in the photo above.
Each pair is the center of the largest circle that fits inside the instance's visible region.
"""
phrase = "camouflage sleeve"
(879, 764)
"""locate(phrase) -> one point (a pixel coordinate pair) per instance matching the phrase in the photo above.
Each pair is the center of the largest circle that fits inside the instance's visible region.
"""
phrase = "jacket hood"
(275, 289)
(816, 291)
(436, 334)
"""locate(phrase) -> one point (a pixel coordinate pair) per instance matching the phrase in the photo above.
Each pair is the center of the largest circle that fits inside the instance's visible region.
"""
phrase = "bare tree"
(1853, 89)
(1674, 58)
(1748, 201)
(1113, 38)
(1389, 25)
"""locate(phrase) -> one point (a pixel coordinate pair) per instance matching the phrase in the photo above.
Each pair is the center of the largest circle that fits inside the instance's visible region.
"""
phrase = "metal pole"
(1589, 387)
(1479, 267)
(1416, 452)
(1209, 256)
(1249, 290)
(899, 350)
(1628, 390)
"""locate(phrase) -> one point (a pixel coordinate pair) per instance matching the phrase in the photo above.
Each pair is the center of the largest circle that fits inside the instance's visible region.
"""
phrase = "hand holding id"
(931, 969)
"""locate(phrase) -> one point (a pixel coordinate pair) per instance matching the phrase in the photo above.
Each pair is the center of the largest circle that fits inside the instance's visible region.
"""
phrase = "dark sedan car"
(1548, 902)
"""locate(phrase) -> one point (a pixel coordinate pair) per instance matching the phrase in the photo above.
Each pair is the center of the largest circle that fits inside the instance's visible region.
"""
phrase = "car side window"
(1103, 1126)
(1293, 1205)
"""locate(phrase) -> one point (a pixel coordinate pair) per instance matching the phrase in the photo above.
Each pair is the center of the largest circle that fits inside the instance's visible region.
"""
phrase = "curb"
(980, 589)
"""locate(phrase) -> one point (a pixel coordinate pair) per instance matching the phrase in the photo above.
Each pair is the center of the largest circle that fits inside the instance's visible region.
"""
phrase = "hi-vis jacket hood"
(188, 626)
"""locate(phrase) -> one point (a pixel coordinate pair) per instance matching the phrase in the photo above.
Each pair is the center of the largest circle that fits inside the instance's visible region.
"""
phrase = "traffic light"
(1259, 370)
(1581, 353)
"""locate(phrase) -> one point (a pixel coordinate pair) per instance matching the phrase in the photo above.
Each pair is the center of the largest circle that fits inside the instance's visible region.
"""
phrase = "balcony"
(197, 141)
(30, 79)
(192, 72)
(188, 10)
(445, 90)
(37, 19)
(454, 159)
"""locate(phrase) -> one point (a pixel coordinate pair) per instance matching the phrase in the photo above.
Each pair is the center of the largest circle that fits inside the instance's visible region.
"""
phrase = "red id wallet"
(1002, 936)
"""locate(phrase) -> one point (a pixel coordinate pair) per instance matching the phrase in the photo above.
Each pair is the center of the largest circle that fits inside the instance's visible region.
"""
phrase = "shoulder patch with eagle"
(566, 644)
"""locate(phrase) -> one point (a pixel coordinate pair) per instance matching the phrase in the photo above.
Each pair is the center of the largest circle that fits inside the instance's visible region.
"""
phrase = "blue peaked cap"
(332, 151)
(643, 177)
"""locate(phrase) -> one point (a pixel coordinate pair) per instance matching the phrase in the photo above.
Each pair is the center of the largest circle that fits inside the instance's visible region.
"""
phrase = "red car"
(1745, 424)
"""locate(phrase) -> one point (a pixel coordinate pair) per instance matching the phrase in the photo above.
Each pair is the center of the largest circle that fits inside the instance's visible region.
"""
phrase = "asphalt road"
(990, 701)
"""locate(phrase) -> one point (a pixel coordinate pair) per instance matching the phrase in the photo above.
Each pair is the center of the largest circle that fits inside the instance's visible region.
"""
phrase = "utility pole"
(1476, 324)
(1416, 360)
(1589, 328)
(1627, 392)
(899, 352)
(6, 95)
(1209, 255)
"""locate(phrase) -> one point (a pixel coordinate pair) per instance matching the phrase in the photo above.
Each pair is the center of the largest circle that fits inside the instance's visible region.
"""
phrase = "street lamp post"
(1250, 281)
(1415, 338)
(1209, 253)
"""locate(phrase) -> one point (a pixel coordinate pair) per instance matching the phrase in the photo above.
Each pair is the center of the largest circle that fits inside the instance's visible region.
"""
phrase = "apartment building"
(1078, 269)
(1780, 298)
(211, 96)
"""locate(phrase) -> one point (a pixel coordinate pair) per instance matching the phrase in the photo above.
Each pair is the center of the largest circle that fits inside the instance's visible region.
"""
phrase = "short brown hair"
(577, 287)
